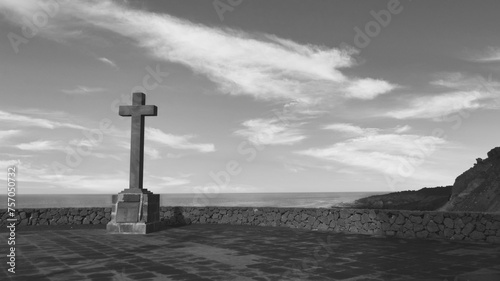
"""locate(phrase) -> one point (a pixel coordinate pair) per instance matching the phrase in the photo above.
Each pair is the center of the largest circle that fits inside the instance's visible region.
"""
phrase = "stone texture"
(476, 235)
(462, 226)
(432, 227)
(448, 222)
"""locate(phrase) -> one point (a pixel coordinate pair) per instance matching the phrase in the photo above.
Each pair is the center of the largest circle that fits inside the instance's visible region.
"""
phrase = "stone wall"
(404, 224)
(59, 216)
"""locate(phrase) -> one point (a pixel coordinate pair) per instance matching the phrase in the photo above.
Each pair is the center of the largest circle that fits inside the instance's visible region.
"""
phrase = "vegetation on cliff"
(425, 199)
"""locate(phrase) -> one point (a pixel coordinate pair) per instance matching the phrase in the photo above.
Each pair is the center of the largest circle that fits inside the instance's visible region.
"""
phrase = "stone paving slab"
(229, 252)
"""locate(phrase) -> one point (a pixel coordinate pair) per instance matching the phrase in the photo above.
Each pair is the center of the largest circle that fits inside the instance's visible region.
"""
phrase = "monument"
(136, 210)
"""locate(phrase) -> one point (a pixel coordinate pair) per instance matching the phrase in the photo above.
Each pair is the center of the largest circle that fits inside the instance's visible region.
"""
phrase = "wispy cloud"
(87, 183)
(82, 90)
(467, 93)
(491, 54)
(368, 88)
(402, 129)
(240, 63)
(177, 142)
(108, 62)
(438, 106)
(106, 156)
(153, 153)
(27, 121)
(169, 181)
(383, 153)
(6, 163)
(83, 143)
(270, 132)
(294, 168)
(351, 129)
(226, 188)
(463, 82)
(9, 133)
(41, 145)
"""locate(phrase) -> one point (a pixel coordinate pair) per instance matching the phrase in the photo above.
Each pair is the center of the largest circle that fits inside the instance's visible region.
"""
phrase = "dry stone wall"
(404, 224)
(59, 216)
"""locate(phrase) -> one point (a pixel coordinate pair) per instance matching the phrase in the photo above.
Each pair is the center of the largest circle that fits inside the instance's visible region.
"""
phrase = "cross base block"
(135, 211)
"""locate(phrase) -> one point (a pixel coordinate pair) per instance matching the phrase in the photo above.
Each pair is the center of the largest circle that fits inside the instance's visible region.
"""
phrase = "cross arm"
(138, 110)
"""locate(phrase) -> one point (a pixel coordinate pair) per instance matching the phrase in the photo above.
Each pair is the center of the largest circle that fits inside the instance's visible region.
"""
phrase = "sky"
(252, 96)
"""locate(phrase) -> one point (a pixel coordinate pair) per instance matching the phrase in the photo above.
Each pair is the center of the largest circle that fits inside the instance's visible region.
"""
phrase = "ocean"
(299, 200)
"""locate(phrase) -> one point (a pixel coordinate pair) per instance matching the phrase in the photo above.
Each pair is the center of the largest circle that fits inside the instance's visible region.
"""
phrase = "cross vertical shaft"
(137, 111)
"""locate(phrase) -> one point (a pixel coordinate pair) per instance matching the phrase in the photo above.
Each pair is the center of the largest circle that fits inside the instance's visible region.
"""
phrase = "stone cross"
(137, 110)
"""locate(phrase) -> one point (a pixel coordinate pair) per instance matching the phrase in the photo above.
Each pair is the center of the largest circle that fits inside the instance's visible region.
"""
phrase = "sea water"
(298, 200)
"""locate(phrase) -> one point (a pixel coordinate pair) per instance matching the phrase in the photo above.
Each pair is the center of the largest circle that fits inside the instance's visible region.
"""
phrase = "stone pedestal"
(135, 211)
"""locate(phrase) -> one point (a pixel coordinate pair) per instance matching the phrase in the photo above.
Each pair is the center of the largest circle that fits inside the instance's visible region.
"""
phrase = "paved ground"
(224, 252)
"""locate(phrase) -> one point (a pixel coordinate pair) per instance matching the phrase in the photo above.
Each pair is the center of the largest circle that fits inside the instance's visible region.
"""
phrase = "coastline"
(276, 200)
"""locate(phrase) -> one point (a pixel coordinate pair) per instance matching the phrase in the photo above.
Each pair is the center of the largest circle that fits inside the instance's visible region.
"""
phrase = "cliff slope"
(478, 189)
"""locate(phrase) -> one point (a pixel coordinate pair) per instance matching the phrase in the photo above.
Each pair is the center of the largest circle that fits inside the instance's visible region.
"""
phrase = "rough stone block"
(432, 227)
(358, 225)
(426, 219)
(448, 232)
(476, 235)
(323, 227)
(489, 232)
(344, 214)
(409, 234)
(408, 224)
(316, 224)
(493, 239)
(418, 227)
(400, 219)
(480, 227)
(415, 219)
(372, 215)
(468, 228)
(448, 223)
(353, 229)
(458, 223)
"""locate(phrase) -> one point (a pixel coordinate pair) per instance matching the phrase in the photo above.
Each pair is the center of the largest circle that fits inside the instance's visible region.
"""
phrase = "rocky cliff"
(478, 189)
